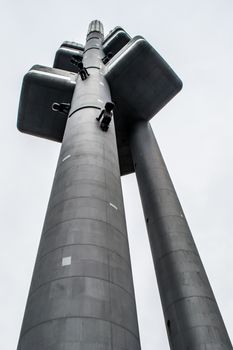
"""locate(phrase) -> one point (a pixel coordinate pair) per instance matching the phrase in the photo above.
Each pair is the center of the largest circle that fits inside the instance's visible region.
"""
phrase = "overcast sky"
(194, 132)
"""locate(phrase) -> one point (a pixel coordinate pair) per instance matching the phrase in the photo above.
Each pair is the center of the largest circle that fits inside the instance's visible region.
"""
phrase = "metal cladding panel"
(64, 56)
(141, 82)
(42, 86)
(73, 45)
(115, 41)
(193, 320)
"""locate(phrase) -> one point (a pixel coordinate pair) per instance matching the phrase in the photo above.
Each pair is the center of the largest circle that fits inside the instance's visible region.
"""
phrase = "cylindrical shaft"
(192, 317)
(82, 295)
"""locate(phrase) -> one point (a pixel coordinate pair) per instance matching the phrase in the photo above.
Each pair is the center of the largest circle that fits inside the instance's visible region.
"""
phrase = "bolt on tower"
(82, 294)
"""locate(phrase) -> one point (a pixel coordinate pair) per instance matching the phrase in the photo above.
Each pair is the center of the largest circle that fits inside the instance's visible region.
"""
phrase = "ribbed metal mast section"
(82, 294)
(96, 26)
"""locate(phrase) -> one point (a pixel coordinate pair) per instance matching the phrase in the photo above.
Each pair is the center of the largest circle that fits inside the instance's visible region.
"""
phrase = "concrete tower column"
(192, 317)
(82, 295)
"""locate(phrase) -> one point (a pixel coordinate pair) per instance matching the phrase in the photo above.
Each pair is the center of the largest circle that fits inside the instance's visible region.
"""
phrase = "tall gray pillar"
(82, 295)
(192, 317)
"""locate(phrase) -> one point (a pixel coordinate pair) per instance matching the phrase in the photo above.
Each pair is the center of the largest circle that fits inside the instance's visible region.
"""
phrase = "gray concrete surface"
(82, 294)
(192, 316)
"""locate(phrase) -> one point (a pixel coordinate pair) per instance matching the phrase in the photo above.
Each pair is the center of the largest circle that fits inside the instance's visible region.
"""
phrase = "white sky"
(194, 132)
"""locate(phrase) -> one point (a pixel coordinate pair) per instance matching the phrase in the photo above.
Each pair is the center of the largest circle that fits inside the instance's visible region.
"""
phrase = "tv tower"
(97, 101)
